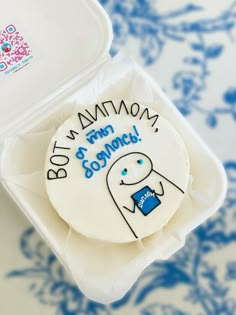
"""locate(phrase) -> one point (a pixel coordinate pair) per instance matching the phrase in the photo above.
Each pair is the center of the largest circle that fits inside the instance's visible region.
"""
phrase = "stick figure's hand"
(162, 191)
(133, 211)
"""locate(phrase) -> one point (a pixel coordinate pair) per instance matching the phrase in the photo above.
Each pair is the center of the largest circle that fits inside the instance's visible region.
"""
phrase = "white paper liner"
(106, 271)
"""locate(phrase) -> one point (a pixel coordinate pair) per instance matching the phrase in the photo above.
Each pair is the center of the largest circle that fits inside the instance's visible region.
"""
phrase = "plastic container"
(66, 60)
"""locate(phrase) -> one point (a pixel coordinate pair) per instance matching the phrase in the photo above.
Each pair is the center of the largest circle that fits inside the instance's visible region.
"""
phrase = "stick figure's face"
(131, 169)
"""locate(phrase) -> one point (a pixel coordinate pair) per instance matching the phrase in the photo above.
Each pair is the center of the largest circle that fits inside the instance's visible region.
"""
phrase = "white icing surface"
(137, 183)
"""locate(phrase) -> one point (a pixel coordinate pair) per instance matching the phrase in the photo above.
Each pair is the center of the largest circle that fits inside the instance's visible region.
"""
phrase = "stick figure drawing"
(142, 195)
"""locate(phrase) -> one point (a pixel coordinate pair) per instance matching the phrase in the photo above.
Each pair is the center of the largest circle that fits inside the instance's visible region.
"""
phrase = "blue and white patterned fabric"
(189, 47)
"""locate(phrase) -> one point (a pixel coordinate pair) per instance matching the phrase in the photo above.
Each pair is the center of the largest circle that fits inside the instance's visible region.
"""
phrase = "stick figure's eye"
(140, 161)
(124, 172)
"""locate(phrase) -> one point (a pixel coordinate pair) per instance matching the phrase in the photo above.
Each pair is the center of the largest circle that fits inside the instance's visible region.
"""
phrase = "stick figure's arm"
(169, 181)
(133, 211)
(162, 191)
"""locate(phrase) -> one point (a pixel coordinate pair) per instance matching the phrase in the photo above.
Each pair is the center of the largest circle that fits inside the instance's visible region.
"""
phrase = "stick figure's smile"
(130, 184)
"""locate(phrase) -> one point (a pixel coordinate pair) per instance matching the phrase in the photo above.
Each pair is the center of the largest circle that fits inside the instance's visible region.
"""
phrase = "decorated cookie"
(116, 171)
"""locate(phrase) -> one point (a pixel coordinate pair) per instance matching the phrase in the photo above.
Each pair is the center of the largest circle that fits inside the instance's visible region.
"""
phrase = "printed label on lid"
(15, 52)
(116, 171)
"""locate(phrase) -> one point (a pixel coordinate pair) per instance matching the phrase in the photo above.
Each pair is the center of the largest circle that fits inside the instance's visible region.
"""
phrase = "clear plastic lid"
(43, 45)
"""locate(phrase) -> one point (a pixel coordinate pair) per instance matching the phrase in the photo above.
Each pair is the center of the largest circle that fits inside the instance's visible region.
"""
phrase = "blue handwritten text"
(103, 156)
(94, 135)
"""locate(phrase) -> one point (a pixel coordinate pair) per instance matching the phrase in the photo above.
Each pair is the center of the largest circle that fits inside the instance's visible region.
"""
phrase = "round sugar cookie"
(116, 171)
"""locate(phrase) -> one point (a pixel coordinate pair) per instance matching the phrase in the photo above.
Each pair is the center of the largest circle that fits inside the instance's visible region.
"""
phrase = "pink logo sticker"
(14, 50)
